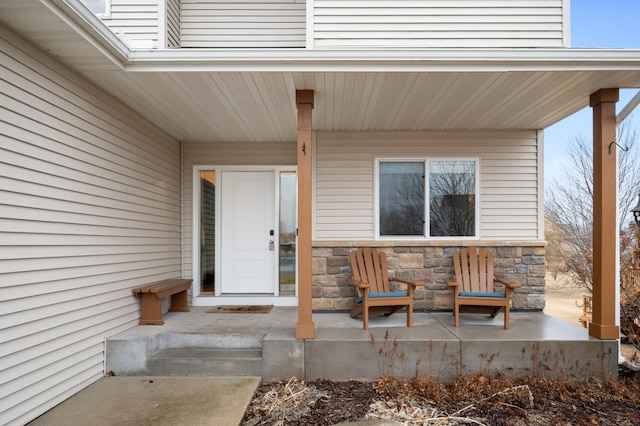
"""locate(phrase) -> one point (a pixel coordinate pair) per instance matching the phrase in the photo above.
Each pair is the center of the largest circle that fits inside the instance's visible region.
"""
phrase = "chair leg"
(409, 315)
(357, 310)
(506, 318)
(365, 317)
(456, 314)
(496, 311)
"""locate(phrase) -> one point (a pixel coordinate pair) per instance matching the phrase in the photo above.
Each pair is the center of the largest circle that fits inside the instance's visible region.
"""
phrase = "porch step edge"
(210, 340)
(208, 353)
(205, 361)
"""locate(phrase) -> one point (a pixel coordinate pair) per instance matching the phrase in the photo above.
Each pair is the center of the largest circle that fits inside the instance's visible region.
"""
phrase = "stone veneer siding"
(430, 265)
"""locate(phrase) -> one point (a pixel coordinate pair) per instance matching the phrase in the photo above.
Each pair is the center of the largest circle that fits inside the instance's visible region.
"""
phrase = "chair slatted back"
(370, 266)
(474, 270)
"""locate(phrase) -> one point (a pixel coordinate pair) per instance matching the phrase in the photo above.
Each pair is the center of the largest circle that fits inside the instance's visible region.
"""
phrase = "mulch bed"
(478, 399)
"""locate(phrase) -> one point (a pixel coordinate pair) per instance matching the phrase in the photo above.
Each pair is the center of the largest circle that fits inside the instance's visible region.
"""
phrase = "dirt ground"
(477, 399)
(564, 300)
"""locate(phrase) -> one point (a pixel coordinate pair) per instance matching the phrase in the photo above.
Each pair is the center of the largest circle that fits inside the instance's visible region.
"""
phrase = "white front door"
(248, 233)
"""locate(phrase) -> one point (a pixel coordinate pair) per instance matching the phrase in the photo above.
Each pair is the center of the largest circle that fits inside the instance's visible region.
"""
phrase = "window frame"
(426, 234)
(107, 9)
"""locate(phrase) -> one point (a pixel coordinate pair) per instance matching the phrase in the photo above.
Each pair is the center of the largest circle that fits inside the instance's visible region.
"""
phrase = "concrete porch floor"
(200, 343)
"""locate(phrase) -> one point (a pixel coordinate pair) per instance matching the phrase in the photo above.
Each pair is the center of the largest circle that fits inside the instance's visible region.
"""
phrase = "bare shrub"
(569, 203)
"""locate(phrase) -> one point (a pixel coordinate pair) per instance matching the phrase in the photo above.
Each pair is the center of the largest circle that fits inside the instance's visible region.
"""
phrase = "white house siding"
(344, 179)
(89, 209)
(244, 23)
(137, 19)
(173, 23)
(440, 23)
(223, 154)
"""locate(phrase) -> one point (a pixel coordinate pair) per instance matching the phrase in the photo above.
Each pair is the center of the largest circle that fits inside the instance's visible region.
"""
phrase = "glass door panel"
(207, 232)
(287, 237)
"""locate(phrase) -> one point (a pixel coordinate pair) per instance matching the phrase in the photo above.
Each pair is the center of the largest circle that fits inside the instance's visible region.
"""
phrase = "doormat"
(240, 309)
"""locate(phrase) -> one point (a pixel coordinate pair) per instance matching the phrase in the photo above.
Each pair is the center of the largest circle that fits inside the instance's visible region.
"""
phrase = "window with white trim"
(99, 7)
(449, 185)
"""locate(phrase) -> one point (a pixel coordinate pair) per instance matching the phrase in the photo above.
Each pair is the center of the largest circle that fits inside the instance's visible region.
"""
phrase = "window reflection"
(452, 199)
(401, 198)
(99, 7)
(451, 193)
(287, 249)
(207, 232)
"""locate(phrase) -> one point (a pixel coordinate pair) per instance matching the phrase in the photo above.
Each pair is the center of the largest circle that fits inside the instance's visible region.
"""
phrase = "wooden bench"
(153, 294)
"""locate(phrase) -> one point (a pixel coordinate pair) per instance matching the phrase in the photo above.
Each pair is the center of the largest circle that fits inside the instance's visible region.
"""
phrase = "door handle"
(272, 246)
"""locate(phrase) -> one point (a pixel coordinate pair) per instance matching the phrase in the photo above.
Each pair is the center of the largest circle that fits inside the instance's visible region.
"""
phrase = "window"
(449, 185)
(99, 7)
(452, 198)
(401, 198)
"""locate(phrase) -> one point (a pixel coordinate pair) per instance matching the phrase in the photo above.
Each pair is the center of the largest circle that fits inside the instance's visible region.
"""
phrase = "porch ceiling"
(217, 95)
(259, 106)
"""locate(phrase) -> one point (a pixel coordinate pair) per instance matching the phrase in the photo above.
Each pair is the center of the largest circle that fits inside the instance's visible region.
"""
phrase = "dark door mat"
(240, 309)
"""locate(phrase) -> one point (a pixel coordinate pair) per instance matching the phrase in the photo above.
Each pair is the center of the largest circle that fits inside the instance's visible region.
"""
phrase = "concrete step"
(206, 361)
(210, 340)
(149, 351)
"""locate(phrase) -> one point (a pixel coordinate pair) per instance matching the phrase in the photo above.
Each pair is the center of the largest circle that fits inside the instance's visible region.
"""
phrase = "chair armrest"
(357, 283)
(451, 282)
(507, 283)
(411, 283)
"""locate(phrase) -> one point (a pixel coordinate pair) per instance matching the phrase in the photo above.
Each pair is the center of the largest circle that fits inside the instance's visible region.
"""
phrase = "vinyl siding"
(245, 23)
(173, 23)
(223, 154)
(440, 23)
(89, 209)
(137, 19)
(344, 179)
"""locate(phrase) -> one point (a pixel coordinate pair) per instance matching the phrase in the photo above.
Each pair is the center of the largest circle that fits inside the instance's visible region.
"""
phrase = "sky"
(602, 24)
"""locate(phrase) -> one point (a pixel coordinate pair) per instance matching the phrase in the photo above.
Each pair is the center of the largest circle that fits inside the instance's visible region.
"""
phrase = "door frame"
(218, 298)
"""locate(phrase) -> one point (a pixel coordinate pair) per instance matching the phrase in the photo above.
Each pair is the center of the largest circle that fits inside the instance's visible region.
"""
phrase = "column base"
(306, 331)
(604, 332)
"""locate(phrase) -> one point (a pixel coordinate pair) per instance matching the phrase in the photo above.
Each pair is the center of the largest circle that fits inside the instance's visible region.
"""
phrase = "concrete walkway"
(157, 401)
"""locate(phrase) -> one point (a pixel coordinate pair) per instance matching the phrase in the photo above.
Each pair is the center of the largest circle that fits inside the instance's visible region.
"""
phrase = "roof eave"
(90, 28)
(415, 60)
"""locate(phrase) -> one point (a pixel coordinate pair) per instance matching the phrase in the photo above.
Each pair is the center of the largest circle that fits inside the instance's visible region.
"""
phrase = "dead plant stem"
(502, 392)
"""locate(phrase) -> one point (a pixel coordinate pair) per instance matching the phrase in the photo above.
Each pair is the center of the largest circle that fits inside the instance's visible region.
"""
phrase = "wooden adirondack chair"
(371, 278)
(473, 286)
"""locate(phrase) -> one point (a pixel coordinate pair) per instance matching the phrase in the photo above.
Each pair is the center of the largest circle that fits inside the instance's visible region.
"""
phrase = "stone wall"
(430, 265)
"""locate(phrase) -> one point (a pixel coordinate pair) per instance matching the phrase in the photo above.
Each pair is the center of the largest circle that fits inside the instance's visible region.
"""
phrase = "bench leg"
(179, 302)
(151, 310)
